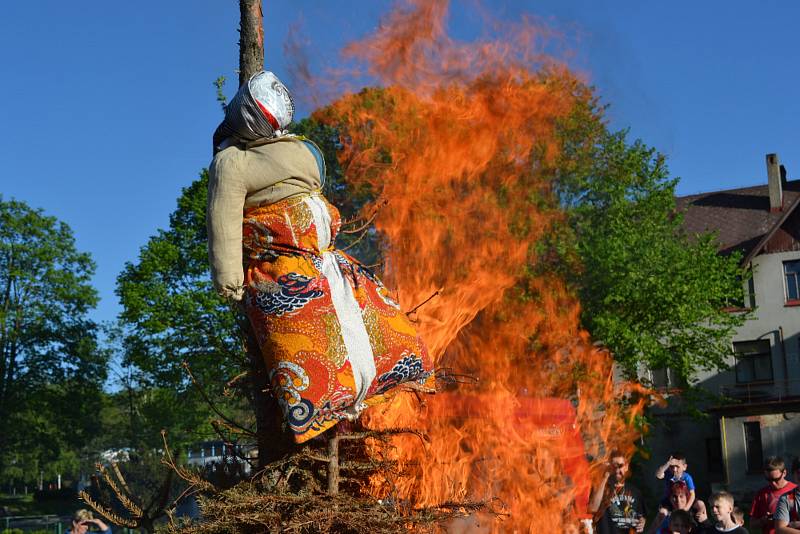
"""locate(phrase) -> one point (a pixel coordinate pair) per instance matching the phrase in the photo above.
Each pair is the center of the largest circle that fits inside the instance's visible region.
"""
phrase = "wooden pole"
(251, 39)
(272, 441)
(333, 464)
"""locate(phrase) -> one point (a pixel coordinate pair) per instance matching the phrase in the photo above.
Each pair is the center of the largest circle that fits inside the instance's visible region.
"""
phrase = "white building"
(758, 415)
(209, 454)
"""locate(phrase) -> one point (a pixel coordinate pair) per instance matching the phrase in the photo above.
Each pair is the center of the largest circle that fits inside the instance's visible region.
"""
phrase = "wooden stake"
(251, 39)
(333, 464)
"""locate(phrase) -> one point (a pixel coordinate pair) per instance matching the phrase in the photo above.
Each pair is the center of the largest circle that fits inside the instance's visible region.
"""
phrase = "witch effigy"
(333, 339)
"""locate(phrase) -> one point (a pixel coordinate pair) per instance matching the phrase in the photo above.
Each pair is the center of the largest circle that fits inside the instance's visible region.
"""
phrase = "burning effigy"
(333, 338)
(459, 145)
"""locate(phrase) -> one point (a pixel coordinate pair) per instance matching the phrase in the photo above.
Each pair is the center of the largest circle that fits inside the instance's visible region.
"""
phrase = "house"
(212, 454)
(759, 412)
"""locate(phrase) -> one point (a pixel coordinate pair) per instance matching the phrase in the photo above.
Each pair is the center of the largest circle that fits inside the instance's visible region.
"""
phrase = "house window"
(714, 456)
(750, 294)
(659, 378)
(752, 447)
(791, 273)
(753, 361)
(665, 378)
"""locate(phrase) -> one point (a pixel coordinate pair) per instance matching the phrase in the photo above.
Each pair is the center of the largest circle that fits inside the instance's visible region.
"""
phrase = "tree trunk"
(251, 39)
(273, 441)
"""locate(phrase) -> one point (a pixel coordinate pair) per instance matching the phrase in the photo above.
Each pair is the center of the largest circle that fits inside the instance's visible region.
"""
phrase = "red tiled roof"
(740, 217)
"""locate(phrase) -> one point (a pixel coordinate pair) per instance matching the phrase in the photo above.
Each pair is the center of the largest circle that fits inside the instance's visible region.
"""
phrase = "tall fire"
(457, 145)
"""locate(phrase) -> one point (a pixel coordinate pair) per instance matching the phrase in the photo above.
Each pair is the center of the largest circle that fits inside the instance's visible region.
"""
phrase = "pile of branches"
(249, 509)
(317, 489)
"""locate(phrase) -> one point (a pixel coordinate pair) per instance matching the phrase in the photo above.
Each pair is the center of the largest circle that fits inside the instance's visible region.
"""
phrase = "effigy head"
(262, 107)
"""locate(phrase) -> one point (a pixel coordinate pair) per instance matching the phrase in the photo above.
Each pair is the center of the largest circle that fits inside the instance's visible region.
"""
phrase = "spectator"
(738, 516)
(83, 519)
(787, 513)
(674, 470)
(616, 504)
(722, 510)
(796, 471)
(766, 500)
(678, 497)
(680, 522)
(701, 515)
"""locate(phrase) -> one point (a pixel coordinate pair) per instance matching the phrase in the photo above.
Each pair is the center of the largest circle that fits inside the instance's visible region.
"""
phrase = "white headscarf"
(261, 108)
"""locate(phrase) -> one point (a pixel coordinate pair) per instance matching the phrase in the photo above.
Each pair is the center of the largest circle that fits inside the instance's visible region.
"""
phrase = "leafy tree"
(51, 370)
(652, 294)
(172, 314)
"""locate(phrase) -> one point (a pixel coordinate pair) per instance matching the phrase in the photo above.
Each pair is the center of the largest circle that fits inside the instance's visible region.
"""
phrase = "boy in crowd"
(680, 522)
(722, 510)
(672, 471)
(766, 500)
(787, 513)
(617, 505)
(738, 516)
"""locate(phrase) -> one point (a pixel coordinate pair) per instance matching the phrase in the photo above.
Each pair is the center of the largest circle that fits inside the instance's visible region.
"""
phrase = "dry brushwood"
(134, 513)
(319, 488)
(248, 509)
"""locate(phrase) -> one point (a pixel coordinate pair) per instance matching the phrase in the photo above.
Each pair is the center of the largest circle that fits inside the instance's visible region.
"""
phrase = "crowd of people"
(619, 508)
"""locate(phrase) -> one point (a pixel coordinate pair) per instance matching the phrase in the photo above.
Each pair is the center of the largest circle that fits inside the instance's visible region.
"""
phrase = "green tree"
(172, 314)
(51, 369)
(652, 294)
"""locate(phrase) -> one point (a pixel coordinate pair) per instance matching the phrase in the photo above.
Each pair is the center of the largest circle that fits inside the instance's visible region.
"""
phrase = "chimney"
(775, 182)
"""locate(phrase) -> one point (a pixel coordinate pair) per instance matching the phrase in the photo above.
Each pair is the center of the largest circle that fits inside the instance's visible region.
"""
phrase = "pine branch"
(126, 502)
(105, 512)
(118, 473)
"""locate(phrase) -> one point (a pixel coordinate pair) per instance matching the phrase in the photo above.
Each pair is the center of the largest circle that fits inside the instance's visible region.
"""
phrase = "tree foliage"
(652, 294)
(171, 314)
(51, 369)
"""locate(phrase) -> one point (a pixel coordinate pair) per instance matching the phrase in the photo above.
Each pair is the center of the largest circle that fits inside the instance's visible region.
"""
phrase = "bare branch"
(213, 406)
(427, 300)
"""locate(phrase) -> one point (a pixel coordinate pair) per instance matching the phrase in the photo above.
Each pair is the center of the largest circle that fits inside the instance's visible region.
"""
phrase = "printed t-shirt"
(623, 512)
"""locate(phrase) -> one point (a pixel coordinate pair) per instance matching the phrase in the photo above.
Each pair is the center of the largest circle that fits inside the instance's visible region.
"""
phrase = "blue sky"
(108, 107)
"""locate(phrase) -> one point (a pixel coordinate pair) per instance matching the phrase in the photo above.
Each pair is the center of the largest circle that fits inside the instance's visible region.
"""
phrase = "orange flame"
(449, 143)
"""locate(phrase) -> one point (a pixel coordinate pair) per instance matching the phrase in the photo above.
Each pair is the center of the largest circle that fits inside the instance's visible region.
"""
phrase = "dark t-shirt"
(700, 528)
(623, 512)
(715, 530)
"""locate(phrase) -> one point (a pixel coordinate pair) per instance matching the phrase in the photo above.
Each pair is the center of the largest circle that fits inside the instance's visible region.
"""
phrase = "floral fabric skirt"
(333, 339)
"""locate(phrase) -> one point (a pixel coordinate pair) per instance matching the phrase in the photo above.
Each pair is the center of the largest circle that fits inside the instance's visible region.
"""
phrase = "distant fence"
(42, 524)
(16, 524)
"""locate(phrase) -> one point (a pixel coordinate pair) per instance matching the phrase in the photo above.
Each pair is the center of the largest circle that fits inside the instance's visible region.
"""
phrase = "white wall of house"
(779, 324)
(771, 315)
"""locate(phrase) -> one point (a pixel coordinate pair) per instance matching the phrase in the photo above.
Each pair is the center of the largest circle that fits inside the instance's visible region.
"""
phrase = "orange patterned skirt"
(333, 339)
